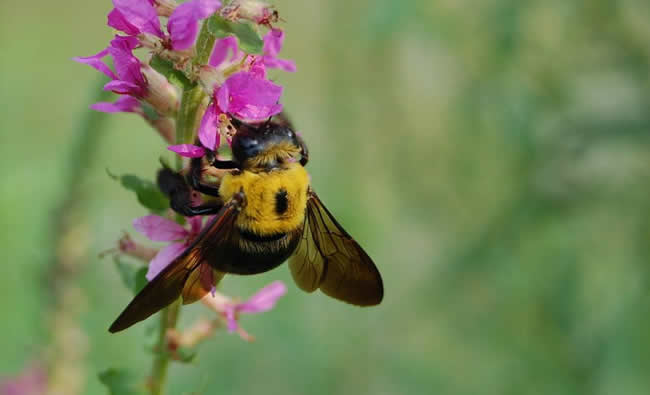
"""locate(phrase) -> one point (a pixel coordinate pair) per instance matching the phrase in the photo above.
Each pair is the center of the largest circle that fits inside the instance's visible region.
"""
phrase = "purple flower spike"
(163, 258)
(95, 61)
(264, 300)
(122, 104)
(183, 22)
(248, 96)
(134, 17)
(273, 41)
(187, 150)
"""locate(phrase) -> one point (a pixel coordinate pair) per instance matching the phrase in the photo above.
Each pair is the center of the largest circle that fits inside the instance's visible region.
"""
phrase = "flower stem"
(186, 125)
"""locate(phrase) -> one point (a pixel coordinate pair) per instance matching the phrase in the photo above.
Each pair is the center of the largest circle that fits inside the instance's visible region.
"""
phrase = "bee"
(265, 212)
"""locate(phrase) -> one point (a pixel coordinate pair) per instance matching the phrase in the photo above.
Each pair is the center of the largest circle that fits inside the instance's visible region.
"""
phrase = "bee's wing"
(181, 277)
(328, 258)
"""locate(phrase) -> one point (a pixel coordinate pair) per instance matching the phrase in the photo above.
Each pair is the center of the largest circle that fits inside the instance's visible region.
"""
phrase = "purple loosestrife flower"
(157, 228)
(245, 95)
(273, 41)
(133, 78)
(220, 52)
(263, 300)
(135, 17)
(124, 103)
(32, 381)
(183, 22)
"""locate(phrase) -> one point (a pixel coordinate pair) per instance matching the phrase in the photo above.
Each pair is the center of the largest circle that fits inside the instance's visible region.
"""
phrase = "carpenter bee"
(265, 212)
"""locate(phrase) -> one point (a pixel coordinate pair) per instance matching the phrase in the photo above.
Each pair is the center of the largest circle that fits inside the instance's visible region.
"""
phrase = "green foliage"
(166, 68)
(249, 39)
(121, 382)
(133, 276)
(146, 191)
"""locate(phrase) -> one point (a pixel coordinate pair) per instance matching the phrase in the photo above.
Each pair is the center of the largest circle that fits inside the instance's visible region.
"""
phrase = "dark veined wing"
(183, 275)
(328, 258)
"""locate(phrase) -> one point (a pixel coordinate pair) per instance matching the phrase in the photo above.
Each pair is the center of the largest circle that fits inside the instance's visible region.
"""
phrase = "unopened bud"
(161, 94)
(165, 7)
(210, 78)
(252, 10)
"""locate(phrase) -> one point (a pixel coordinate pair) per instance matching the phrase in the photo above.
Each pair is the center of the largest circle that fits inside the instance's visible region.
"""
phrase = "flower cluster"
(234, 80)
(162, 49)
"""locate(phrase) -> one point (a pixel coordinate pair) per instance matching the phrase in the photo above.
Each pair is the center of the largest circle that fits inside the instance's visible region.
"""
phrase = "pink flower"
(245, 95)
(127, 78)
(157, 228)
(134, 17)
(248, 96)
(32, 381)
(122, 104)
(220, 52)
(183, 22)
(273, 41)
(262, 301)
(187, 150)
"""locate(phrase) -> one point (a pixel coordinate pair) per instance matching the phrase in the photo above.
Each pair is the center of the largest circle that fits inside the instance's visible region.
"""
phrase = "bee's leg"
(174, 186)
(220, 164)
(195, 180)
(304, 152)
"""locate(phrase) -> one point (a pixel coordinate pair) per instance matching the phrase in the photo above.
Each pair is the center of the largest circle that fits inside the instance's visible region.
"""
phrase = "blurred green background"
(492, 157)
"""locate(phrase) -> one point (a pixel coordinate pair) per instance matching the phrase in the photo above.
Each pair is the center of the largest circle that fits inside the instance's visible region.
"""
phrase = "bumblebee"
(265, 212)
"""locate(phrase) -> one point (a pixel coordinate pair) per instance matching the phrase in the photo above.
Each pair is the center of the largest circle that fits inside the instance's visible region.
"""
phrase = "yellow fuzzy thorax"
(259, 214)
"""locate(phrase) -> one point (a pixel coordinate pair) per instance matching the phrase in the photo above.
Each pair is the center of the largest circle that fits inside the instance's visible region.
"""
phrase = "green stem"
(186, 125)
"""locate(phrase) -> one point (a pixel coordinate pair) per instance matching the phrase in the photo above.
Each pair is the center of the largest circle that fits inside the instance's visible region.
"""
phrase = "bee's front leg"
(174, 186)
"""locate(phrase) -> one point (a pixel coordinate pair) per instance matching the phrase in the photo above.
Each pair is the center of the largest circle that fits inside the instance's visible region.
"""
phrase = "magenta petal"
(139, 14)
(230, 318)
(220, 51)
(273, 41)
(196, 223)
(163, 258)
(126, 65)
(124, 103)
(187, 150)
(264, 299)
(208, 128)
(157, 228)
(118, 22)
(183, 22)
(123, 88)
(95, 61)
(282, 64)
(248, 96)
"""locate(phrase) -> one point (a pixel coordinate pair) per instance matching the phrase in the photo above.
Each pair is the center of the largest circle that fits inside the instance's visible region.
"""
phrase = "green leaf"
(121, 382)
(186, 354)
(147, 192)
(166, 68)
(249, 41)
(133, 276)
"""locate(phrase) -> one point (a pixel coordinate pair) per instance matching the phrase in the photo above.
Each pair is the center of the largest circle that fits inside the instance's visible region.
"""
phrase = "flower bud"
(253, 10)
(165, 7)
(161, 94)
(209, 78)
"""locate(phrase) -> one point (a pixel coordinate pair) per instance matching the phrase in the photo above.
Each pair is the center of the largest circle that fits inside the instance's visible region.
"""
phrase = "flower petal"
(220, 51)
(196, 222)
(123, 88)
(264, 299)
(157, 228)
(247, 96)
(208, 134)
(183, 22)
(164, 258)
(139, 14)
(124, 103)
(126, 65)
(187, 150)
(118, 21)
(231, 318)
(96, 63)
(273, 41)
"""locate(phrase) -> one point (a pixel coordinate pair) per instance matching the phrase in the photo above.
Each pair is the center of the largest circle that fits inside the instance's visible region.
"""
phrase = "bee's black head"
(267, 145)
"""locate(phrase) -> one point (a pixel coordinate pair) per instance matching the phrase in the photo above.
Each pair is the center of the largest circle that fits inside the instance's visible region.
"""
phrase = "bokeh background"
(493, 157)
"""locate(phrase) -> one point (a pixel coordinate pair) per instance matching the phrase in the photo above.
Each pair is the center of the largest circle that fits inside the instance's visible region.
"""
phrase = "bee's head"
(266, 145)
